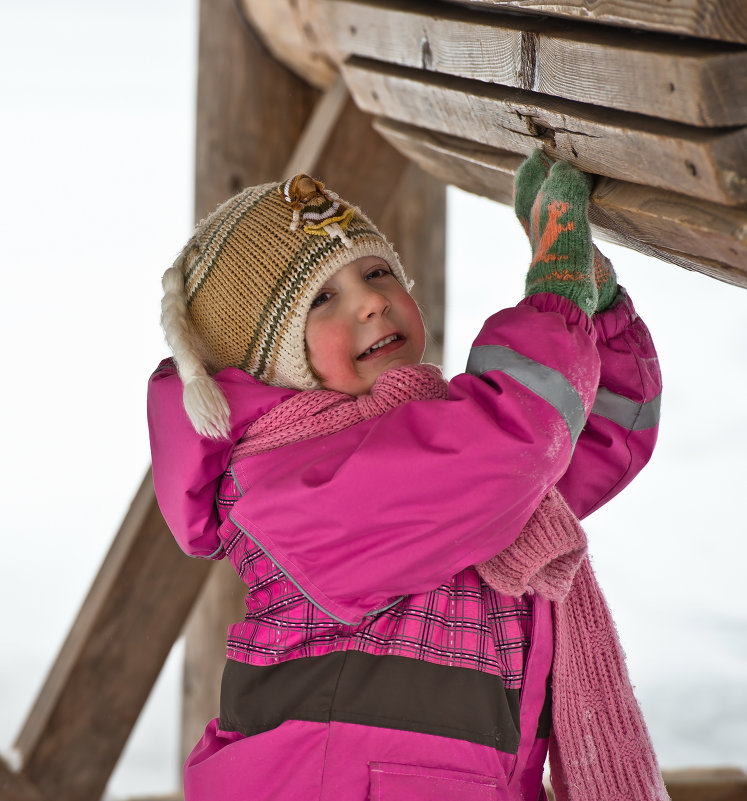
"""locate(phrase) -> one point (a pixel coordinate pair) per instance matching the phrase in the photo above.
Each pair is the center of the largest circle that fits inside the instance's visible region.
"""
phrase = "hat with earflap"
(239, 292)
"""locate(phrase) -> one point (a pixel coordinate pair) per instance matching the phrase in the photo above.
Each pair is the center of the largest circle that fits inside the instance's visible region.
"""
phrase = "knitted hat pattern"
(248, 276)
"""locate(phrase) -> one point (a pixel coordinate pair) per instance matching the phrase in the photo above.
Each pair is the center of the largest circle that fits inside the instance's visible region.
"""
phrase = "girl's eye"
(378, 273)
(320, 300)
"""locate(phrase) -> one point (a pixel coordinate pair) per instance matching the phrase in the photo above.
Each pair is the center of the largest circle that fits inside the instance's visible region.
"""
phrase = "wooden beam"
(473, 167)
(698, 784)
(109, 662)
(710, 236)
(251, 111)
(321, 123)
(415, 222)
(706, 784)
(709, 19)
(710, 165)
(693, 234)
(295, 34)
(15, 786)
(694, 82)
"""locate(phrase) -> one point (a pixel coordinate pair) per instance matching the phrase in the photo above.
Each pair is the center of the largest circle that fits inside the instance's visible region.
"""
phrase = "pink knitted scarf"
(599, 747)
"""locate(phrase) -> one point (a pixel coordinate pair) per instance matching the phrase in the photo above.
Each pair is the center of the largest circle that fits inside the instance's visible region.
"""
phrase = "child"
(354, 491)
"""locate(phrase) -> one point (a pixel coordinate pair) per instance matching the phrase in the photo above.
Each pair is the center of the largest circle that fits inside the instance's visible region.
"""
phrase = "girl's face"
(361, 323)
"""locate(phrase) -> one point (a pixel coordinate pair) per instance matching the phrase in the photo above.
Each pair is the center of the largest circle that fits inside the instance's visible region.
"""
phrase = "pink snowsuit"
(373, 662)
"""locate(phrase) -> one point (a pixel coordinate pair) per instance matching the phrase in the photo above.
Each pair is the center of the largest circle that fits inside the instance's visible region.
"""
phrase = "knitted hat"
(239, 292)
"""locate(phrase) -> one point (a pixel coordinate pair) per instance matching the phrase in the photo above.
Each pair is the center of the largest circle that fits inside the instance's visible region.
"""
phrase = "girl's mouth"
(385, 345)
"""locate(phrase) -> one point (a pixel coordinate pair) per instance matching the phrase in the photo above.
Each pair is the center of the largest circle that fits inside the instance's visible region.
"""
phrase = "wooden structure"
(651, 97)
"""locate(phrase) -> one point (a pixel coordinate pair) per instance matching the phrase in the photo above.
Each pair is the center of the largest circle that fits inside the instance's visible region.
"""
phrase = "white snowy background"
(96, 124)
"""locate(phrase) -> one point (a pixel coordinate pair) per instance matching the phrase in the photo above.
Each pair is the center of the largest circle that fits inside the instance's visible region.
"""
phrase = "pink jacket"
(372, 658)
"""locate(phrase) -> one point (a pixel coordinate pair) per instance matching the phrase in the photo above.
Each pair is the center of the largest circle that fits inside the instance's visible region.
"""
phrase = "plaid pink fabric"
(462, 623)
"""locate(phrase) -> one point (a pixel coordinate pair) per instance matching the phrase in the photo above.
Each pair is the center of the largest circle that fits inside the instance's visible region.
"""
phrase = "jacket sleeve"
(400, 503)
(621, 431)
(187, 468)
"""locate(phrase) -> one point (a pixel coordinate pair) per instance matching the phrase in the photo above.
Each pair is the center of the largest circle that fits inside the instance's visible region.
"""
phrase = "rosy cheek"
(329, 349)
(417, 326)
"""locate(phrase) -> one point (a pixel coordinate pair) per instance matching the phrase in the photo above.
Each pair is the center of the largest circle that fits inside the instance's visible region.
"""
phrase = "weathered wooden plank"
(693, 234)
(694, 82)
(294, 32)
(708, 19)
(471, 166)
(706, 164)
(676, 222)
(116, 648)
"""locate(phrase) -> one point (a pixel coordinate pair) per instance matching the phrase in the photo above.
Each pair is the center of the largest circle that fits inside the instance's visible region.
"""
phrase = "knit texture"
(253, 267)
(599, 748)
(320, 412)
(529, 179)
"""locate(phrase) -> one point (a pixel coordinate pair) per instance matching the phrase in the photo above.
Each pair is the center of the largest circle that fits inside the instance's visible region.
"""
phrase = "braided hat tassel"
(204, 402)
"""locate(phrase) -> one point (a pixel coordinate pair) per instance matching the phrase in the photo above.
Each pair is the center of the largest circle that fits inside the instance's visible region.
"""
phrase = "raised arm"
(620, 434)
(400, 503)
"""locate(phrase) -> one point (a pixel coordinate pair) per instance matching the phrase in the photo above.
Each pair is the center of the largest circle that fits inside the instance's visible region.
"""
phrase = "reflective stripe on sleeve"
(543, 381)
(625, 412)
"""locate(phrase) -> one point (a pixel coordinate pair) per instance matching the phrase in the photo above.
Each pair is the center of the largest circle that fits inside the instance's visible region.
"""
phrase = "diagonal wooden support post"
(113, 654)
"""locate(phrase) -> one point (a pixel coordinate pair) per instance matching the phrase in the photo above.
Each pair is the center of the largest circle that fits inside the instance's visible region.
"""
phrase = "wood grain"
(695, 235)
(694, 82)
(709, 19)
(109, 662)
(710, 165)
(294, 33)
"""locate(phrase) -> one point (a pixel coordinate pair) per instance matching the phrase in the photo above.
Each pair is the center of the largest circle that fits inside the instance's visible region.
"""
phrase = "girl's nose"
(371, 304)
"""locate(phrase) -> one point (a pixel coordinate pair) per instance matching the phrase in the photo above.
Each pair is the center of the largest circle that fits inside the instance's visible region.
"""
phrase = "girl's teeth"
(381, 344)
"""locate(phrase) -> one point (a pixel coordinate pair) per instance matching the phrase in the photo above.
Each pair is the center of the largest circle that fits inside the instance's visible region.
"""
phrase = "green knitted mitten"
(529, 178)
(562, 259)
(605, 279)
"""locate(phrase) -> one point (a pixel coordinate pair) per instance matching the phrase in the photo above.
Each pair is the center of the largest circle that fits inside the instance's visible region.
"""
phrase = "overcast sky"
(96, 115)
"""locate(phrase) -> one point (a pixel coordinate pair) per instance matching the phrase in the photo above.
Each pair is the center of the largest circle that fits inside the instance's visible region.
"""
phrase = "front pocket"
(392, 782)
